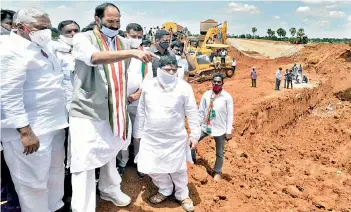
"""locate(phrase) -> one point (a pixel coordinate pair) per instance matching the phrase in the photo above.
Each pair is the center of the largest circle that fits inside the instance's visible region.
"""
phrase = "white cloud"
(303, 9)
(318, 1)
(333, 6)
(238, 7)
(141, 13)
(61, 7)
(276, 17)
(336, 14)
(306, 21)
(323, 23)
(349, 19)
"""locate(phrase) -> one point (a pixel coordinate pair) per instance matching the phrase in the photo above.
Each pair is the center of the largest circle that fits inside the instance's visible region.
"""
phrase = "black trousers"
(253, 82)
(289, 83)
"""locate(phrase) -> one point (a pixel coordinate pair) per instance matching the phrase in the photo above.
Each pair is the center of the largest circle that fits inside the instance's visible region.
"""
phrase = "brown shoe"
(217, 177)
(187, 205)
(158, 198)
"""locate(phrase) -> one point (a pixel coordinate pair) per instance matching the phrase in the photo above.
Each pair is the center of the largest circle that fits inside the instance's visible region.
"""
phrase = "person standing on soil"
(286, 77)
(99, 122)
(160, 129)
(33, 115)
(136, 74)
(234, 65)
(253, 77)
(289, 78)
(217, 114)
(278, 79)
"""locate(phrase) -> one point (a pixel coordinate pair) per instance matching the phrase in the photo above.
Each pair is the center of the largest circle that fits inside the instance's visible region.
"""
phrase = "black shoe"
(121, 170)
(140, 175)
(193, 155)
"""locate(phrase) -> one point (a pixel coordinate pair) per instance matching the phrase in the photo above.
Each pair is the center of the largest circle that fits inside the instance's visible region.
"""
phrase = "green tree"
(281, 32)
(55, 33)
(269, 32)
(272, 33)
(254, 30)
(300, 33)
(292, 31)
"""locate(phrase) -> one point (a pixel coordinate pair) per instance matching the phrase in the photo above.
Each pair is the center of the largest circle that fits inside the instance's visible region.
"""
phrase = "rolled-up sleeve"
(192, 114)
(83, 50)
(13, 76)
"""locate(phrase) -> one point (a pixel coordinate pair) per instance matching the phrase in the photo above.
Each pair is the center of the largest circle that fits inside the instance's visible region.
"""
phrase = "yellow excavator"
(204, 50)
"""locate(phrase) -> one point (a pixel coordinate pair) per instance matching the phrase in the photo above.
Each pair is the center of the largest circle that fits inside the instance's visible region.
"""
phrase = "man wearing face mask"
(185, 62)
(98, 120)
(217, 113)
(63, 51)
(33, 115)
(136, 74)
(160, 48)
(160, 128)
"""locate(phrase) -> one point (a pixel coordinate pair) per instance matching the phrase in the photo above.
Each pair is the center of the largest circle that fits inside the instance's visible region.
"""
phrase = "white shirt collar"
(19, 40)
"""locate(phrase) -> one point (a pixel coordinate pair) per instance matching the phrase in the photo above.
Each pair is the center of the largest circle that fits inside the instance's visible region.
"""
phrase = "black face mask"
(164, 45)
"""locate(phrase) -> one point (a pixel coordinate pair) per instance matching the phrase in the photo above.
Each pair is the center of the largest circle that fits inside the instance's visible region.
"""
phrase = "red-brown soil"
(291, 150)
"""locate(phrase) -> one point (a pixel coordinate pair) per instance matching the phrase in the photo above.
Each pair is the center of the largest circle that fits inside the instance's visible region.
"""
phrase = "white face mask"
(178, 57)
(68, 41)
(41, 37)
(165, 77)
(109, 32)
(134, 43)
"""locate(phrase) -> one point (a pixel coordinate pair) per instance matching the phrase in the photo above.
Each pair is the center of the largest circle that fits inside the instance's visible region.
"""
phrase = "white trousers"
(84, 187)
(164, 183)
(38, 177)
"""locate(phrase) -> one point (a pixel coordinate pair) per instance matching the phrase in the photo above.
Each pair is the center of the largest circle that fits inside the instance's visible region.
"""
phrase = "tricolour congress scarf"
(211, 113)
(117, 86)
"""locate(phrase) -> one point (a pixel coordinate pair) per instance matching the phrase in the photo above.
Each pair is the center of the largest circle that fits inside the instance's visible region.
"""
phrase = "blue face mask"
(107, 31)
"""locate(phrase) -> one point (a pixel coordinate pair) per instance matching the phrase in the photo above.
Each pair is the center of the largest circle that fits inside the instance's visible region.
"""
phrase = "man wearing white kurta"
(136, 74)
(98, 117)
(160, 128)
(63, 51)
(33, 113)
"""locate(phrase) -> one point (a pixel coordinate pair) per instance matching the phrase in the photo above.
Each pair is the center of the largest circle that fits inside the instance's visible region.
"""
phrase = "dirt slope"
(291, 149)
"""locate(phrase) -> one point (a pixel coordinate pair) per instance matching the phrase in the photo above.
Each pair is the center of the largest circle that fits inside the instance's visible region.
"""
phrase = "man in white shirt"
(160, 128)
(136, 74)
(234, 65)
(217, 115)
(99, 123)
(278, 78)
(33, 113)
(63, 51)
(185, 62)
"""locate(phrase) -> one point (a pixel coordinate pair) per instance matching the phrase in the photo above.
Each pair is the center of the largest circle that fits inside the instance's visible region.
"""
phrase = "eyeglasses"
(70, 31)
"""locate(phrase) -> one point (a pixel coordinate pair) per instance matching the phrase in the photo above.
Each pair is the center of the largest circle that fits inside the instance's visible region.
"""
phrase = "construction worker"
(289, 78)
(278, 78)
(286, 77)
(253, 77)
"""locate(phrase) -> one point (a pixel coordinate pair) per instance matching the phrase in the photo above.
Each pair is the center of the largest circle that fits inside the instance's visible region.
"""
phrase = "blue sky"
(328, 18)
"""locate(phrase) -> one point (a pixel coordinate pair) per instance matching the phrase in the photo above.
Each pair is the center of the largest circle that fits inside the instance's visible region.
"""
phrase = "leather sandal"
(158, 198)
(188, 205)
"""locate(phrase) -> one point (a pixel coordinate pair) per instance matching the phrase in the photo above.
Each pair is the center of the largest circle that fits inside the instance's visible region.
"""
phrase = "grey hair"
(28, 16)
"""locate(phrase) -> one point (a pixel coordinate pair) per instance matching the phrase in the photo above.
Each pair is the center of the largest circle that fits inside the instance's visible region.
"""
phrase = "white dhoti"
(164, 183)
(164, 146)
(38, 177)
(92, 146)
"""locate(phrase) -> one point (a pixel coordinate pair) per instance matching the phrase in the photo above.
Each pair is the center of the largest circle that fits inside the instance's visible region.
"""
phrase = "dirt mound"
(291, 149)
